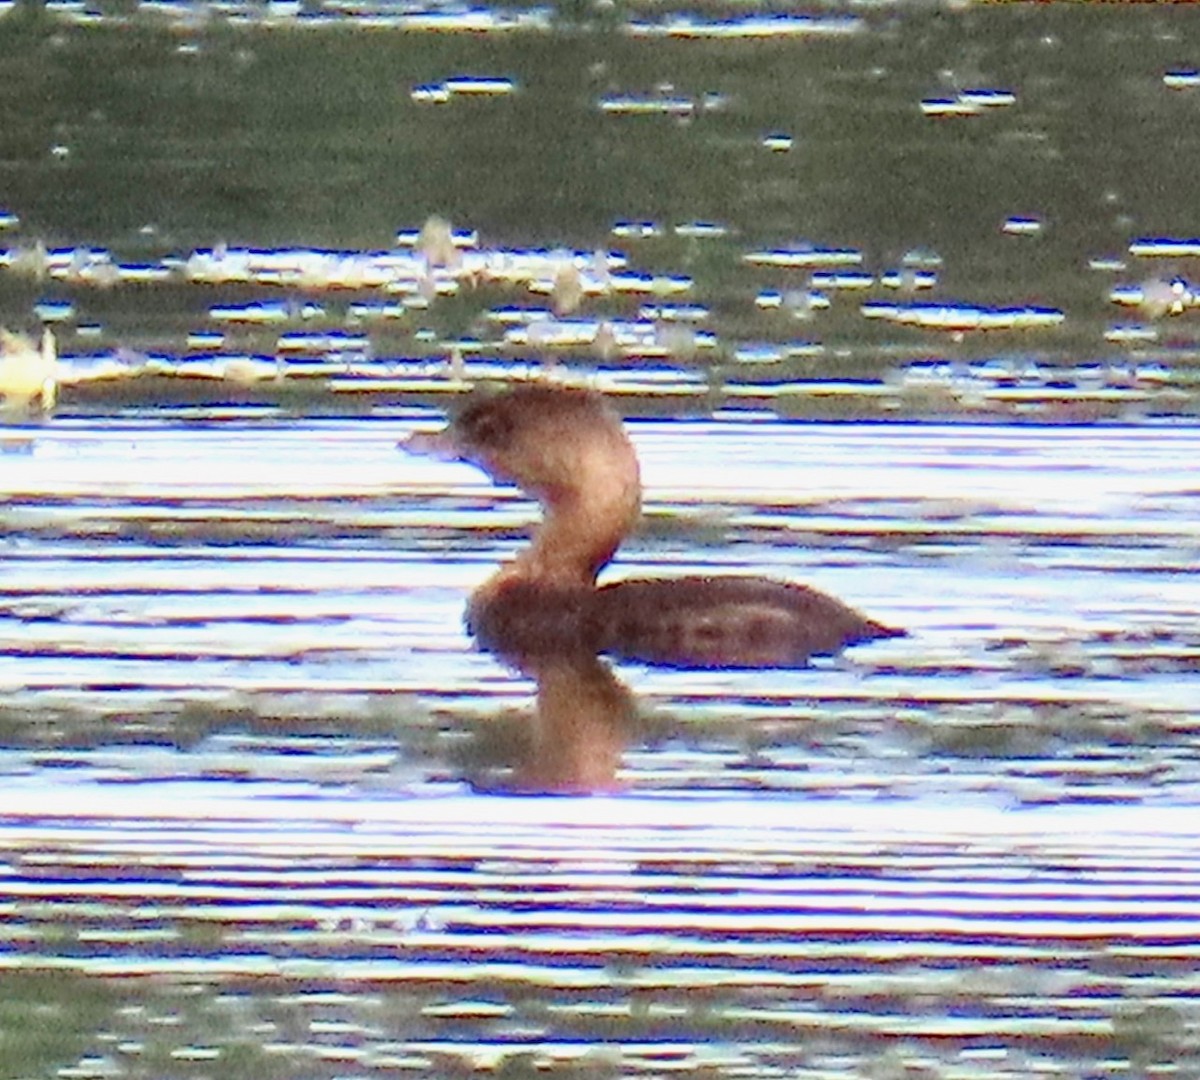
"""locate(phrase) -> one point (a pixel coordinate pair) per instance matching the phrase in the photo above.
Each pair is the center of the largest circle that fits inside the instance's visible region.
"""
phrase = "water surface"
(244, 727)
(252, 821)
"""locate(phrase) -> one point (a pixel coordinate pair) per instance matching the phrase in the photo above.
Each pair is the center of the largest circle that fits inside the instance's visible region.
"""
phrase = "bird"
(28, 374)
(568, 449)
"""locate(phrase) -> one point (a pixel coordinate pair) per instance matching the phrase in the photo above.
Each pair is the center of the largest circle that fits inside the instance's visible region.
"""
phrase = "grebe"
(568, 449)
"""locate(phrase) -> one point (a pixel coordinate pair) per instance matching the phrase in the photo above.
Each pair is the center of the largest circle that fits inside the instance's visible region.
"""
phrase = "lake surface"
(900, 299)
(898, 210)
(252, 760)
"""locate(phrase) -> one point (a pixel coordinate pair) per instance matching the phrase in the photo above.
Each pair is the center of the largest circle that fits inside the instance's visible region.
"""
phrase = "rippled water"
(253, 818)
(897, 210)
(243, 724)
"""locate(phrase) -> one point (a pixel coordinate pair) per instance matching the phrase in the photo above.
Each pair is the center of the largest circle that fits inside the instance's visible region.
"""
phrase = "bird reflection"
(582, 722)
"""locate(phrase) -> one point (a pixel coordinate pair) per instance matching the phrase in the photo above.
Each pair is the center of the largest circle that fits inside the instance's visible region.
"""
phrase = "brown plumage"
(568, 449)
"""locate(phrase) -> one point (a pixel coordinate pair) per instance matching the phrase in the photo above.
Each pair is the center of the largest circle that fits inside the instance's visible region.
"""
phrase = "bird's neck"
(584, 522)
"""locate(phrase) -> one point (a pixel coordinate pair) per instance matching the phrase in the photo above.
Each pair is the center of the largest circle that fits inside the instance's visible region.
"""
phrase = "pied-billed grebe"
(568, 449)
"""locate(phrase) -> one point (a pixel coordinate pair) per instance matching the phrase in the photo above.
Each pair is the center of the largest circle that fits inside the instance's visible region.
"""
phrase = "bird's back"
(732, 622)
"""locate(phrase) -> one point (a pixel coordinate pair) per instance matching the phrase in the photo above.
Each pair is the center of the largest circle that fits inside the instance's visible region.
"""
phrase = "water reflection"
(582, 722)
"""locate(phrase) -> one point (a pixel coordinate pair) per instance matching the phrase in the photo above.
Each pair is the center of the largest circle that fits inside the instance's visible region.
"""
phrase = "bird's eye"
(485, 426)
